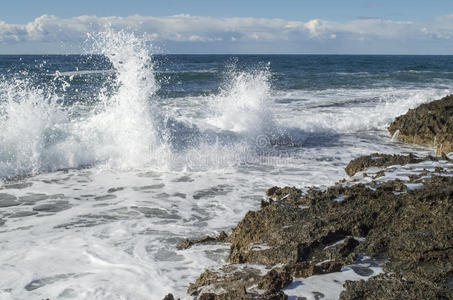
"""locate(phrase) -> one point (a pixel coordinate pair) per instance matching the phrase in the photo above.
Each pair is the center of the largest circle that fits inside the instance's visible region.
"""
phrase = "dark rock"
(273, 295)
(232, 279)
(428, 124)
(393, 287)
(187, 243)
(393, 185)
(169, 297)
(307, 269)
(276, 193)
(378, 160)
(409, 228)
(275, 281)
(348, 246)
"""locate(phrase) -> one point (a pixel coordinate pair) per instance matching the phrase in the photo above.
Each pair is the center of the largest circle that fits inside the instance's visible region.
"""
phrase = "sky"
(213, 26)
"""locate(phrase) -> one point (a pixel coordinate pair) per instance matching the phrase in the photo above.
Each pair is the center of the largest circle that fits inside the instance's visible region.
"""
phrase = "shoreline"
(390, 223)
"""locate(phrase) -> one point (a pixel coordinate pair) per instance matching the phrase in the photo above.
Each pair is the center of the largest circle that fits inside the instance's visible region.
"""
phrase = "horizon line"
(243, 54)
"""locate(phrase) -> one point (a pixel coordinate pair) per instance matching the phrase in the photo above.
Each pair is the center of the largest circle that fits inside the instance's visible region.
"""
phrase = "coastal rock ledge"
(401, 224)
(429, 124)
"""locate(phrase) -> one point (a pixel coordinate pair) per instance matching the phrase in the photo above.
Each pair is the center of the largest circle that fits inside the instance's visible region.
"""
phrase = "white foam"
(352, 110)
(244, 104)
(38, 134)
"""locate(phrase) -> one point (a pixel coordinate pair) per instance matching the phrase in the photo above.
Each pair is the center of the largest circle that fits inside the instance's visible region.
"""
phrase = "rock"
(348, 246)
(428, 124)
(275, 281)
(270, 295)
(393, 287)
(169, 297)
(276, 193)
(313, 233)
(307, 269)
(393, 185)
(187, 243)
(378, 160)
(229, 278)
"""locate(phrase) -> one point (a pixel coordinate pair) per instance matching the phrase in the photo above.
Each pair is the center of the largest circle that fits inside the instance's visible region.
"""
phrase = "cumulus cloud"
(196, 29)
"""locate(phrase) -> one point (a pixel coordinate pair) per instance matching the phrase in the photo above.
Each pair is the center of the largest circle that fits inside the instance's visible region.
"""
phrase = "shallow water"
(108, 162)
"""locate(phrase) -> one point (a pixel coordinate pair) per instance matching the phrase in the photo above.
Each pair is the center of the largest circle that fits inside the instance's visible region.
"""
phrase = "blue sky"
(23, 11)
(203, 26)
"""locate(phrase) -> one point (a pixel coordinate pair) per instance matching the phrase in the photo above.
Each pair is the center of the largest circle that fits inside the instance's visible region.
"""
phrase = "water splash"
(244, 103)
(38, 134)
(125, 128)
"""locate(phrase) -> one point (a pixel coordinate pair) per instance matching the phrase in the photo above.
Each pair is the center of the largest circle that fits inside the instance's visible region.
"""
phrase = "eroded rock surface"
(300, 235)
(428, 124)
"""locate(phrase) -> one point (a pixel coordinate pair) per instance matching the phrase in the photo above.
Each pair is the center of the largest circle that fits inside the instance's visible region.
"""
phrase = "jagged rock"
(270, 295)
(187, 243)
(378, 160)
(306, 269)
(169, 297)
(428, 124)
(278, 193)
(394, 287)
(393, 185)
(275, 281)
(230, 278)
(314, 233)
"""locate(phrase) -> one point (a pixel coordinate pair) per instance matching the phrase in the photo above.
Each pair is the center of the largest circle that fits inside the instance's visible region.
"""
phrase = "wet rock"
(378, 160)
(232, 279)
(411, 229)
(277, 193)
(274, 281)
(169, 297)
(348, 246)
(273, 295)
(307, 269)
(428, 124)
(187, 243)
(393, 287)
(230, 295)
(393, 185)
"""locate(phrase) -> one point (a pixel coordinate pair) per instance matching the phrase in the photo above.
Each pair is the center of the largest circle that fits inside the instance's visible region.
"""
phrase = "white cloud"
(190, 29)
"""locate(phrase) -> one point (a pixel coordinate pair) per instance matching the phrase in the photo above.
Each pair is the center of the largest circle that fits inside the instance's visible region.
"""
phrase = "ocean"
(109, 160)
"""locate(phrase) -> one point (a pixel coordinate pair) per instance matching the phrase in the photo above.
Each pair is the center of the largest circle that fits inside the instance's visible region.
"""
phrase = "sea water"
(110, 159)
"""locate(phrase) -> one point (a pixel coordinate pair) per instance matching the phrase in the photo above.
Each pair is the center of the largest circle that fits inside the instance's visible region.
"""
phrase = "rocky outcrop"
(378, 160)
(428, 124)
(297, 235)
(187, 243)
(300, 235)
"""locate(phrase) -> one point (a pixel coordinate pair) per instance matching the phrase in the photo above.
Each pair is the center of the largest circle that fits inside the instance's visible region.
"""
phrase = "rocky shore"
(429, 124)
(395, 213)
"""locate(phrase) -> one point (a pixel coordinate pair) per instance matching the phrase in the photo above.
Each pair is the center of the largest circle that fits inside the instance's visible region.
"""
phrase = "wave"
(38, 134)
(81, 73)
(130, 126)
(353, 110)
